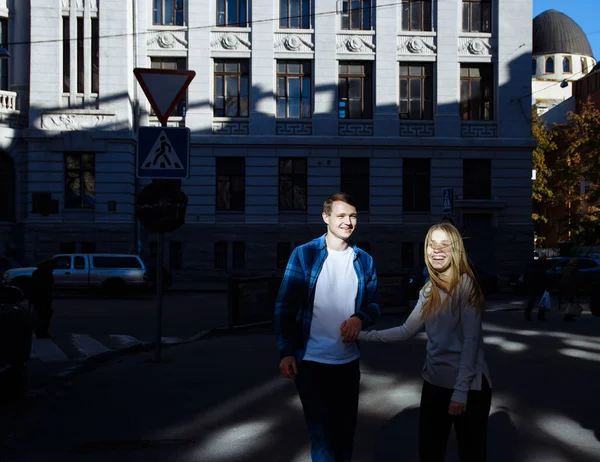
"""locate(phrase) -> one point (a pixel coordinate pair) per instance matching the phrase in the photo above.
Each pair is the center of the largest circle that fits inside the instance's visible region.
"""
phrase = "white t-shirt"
(335, 299)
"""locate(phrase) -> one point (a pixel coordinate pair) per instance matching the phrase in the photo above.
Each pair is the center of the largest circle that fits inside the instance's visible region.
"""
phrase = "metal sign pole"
(159, 295)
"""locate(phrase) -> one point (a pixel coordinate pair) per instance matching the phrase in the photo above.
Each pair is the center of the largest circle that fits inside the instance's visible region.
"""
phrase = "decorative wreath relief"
(476, 47)
(354, 44)
(415, 45)
(229, 41)
(292, 42)
(165, 40)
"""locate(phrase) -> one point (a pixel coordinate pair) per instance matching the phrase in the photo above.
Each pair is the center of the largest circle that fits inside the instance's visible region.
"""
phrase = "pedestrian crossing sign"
(163, 152)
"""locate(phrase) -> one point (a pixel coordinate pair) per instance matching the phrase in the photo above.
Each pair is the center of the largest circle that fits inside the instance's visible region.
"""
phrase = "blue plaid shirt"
(295, 301)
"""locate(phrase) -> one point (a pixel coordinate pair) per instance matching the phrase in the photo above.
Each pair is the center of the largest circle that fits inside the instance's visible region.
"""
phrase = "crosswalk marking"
(124, 341)
(79, 347)
(87, 345)
(46, 350)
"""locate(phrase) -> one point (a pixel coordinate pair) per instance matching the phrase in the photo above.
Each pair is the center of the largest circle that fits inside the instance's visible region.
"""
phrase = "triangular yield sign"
(163, 88)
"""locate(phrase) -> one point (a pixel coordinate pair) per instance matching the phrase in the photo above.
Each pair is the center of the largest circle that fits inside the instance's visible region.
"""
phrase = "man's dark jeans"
(329, 395)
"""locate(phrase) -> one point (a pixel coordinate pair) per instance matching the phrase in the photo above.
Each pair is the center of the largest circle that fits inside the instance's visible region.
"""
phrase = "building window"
(284, 250)
(67, 247)
(549, 65)
(95, 56)
(87, 247)
(477, 179)
(232, 87)
(416, 91)
(231, 183)
(294, 89)
(7, 188)
(178, 64)
(366, 246)
(584, 66)
(168, 12)
(355, 90)
(476, 92)
(66, 58)
(232, 13)
(239, 255)
(292, 183)
(294, 14)
(80, 181)
(356, 14)
(175, 255)
(220, 255)
(81, 47)
(477, 16)
(80, 58)
(415, 185)
(416, 15)
(4, 62)
(533, 66)
(354, 179)
(407, 257)
(566, 65)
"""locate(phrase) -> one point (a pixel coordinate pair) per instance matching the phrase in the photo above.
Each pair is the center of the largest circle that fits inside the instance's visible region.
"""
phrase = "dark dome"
(555, 32)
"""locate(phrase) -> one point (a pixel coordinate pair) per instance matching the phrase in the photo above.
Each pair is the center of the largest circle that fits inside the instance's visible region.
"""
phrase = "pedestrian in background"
(328, 282)
(536, 281)
(568, 290)
(457, 386)
(42, 287)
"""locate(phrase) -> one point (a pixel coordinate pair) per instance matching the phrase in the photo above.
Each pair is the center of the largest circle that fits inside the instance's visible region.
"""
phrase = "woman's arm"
(470, 321)
(412, 325)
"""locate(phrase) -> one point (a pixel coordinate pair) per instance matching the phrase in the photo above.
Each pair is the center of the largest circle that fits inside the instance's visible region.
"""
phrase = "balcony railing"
(8, 101)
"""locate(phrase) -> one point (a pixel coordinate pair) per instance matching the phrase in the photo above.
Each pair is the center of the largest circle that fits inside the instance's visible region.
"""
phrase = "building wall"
(56, 127)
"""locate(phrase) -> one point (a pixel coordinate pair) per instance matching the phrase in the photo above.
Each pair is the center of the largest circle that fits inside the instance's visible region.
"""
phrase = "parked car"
(16, 332)
(113, 273)
(7, 263)
(588, 275)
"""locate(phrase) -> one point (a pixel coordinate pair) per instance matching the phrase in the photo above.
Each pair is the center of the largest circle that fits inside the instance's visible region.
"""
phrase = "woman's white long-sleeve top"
(454, 356)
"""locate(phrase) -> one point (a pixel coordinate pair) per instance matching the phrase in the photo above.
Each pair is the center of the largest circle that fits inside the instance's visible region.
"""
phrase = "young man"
(329, 289)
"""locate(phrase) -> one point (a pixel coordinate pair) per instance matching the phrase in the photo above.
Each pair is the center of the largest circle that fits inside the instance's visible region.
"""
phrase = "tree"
(576, 178)
(541, 190)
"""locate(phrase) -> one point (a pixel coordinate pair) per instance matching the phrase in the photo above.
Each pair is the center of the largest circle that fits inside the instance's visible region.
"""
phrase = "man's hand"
(350, 329)
(287, 367)
(456, 408)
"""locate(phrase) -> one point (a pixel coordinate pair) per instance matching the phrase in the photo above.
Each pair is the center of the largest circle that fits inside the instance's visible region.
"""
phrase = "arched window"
(533, 66)
(566, 65)
(584, 66)
(549, 65)
(7, 188)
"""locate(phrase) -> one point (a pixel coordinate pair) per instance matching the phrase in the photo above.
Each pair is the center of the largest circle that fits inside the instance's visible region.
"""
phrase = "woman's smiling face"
(439, 250)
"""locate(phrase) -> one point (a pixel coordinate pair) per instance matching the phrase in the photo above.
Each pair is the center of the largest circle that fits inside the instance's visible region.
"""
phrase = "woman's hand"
(456, 408)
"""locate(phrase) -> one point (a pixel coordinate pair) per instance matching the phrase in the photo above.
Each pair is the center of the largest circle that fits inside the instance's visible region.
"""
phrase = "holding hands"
(350, 329)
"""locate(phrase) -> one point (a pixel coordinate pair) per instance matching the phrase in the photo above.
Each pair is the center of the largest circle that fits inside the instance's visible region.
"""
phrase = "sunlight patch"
(504, 344)
(569, 432)
(583, 344)
(580, 354)
(234, 443)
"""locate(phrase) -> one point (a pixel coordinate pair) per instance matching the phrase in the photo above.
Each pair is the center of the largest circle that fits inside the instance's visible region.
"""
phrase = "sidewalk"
(222, 399)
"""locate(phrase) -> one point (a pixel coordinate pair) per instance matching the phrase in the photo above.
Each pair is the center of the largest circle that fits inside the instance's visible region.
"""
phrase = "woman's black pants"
(470, 427)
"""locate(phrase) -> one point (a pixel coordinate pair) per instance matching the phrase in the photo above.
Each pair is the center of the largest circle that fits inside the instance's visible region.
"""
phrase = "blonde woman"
(457, 386)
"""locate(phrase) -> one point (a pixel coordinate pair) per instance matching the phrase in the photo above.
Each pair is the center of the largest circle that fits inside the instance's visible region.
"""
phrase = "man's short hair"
(338, 196)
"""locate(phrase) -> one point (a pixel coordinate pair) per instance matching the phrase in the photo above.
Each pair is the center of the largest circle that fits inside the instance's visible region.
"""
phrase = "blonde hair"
(472, 295)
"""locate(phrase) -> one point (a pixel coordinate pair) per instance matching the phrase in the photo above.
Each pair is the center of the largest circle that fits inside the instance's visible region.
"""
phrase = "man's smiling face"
(342, 220)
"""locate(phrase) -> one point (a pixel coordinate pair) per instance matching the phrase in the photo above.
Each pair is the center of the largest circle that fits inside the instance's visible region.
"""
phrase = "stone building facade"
(292, 100)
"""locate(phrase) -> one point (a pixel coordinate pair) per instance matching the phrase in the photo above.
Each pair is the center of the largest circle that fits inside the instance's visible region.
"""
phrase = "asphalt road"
(221, 399)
